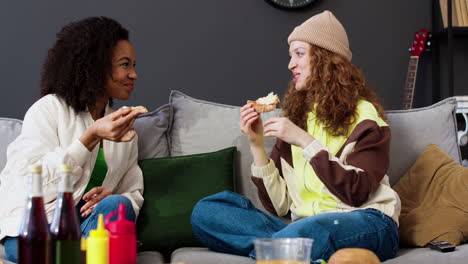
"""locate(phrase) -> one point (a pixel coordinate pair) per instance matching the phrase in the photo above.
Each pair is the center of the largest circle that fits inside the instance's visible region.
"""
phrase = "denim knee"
(221, 197)
(202, 213)
(111, 203)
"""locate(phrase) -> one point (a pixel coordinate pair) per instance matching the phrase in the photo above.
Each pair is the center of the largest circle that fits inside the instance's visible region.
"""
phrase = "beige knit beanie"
(325, 31)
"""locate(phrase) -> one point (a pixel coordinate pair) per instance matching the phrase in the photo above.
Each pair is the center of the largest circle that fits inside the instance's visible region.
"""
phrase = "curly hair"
(77, 66)
(335, 86)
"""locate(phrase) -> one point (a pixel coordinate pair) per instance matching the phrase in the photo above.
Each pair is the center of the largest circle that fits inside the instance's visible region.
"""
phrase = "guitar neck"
(410, 82)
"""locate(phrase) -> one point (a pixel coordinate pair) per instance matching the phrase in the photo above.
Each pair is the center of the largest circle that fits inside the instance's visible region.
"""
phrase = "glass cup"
(283, 250)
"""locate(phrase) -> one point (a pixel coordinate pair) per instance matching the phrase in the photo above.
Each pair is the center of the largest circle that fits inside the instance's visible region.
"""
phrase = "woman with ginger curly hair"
(327, 170)
(91, 63)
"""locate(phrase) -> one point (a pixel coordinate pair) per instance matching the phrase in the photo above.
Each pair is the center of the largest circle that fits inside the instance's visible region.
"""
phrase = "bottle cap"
(100, 231)
(34, 180)
(66, 168)
(35, 168)
(121, 226)
(66, 184)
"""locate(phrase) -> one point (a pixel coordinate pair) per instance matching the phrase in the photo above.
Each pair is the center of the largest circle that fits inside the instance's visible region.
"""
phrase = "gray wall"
(226, 51)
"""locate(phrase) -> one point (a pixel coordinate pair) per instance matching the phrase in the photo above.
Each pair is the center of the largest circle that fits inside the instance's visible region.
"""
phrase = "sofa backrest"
(201, 126)
(191, 126)
(9, 129)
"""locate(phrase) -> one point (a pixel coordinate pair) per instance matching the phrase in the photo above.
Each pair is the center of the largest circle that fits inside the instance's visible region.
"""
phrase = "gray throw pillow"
(153, 133)
(414, 129)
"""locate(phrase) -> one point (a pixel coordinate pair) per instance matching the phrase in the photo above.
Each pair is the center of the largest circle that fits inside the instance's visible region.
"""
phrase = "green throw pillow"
(173, 186)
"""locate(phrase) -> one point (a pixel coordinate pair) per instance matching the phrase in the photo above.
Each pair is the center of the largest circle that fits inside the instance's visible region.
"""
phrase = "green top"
(99, 171)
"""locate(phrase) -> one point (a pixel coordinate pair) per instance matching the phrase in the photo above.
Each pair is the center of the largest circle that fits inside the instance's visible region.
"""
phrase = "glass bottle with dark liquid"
(65, 227)
(34, 241)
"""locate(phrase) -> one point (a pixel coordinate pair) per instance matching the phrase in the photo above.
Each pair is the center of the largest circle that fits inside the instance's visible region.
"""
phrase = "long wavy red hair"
(335, 85)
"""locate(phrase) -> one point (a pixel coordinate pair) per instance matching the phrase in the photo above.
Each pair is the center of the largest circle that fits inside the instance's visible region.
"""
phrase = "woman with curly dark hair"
(73, 123)
(327, 170)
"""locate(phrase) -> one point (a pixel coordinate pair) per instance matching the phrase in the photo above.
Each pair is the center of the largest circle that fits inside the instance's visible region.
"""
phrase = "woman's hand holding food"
(251, 125)
(117, 126)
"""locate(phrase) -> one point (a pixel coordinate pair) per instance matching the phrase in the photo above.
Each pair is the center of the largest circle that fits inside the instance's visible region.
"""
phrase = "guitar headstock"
(421, 42)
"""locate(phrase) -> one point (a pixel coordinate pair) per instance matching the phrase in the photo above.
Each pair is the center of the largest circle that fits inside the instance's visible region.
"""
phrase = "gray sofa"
(189, 126)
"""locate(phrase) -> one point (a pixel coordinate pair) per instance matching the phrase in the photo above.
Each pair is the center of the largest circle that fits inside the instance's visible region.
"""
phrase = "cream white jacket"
(50, 136)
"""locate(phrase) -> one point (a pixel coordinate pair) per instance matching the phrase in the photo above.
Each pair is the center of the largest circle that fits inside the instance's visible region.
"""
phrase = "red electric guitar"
(420, 44)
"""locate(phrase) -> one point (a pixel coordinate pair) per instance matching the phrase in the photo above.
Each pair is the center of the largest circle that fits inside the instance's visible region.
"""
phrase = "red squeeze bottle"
(122, 238)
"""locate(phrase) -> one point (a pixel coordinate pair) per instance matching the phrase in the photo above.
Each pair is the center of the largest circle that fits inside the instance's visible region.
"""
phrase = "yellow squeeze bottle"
(97, 244)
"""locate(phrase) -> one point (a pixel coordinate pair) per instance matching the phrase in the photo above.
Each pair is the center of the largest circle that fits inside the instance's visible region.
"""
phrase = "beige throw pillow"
(434, 198)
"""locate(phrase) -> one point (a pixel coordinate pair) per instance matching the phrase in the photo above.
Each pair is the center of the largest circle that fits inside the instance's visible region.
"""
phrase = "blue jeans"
(107, 205)
(228, 222)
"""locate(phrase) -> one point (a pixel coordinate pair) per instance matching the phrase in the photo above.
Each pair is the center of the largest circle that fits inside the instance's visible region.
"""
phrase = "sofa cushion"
(428, 256)
(201, 126)
(412, 130)
(173, 185)
(404, 256)
(9, 129)
(150, 257)
(205, 256)
(153, 133)
(433, 200)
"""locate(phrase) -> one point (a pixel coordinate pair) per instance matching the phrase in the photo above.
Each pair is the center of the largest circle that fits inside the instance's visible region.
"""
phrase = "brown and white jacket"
(332, 174)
